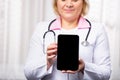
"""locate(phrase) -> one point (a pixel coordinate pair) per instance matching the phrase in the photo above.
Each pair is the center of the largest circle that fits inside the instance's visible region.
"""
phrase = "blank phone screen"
(67, 52)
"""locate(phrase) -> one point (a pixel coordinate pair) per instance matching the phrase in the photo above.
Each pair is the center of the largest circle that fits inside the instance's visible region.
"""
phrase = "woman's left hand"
(80, 68)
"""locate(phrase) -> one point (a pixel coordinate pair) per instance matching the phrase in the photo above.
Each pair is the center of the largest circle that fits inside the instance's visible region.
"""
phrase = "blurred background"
(19, 17)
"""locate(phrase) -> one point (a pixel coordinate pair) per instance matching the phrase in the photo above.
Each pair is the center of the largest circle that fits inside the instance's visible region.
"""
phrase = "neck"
(69, 24)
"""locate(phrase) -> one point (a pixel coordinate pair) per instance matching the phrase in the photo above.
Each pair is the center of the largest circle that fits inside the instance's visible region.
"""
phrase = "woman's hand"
(51, 54)
(80, 68)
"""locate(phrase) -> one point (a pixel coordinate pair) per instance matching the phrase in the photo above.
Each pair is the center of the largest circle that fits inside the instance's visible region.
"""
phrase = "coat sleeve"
(100, 68)
(36, 63)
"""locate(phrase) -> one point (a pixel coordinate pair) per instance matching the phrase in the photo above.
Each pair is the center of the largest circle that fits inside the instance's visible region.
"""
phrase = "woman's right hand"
(51, 54)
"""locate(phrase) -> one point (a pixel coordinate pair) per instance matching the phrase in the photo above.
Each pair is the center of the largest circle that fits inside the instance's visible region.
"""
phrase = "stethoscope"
(84, 43)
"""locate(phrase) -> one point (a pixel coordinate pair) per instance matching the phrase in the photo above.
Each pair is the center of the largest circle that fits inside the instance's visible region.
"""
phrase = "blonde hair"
(84, 10)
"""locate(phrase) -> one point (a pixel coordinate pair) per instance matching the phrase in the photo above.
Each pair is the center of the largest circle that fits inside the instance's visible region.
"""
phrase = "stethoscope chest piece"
(85, 43)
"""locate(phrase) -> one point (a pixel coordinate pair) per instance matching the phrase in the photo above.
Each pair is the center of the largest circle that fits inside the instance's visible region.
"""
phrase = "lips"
(68, 10)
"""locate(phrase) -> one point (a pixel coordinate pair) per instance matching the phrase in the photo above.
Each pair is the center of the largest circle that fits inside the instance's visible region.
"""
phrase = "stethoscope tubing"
(88, 30)
(84, 43)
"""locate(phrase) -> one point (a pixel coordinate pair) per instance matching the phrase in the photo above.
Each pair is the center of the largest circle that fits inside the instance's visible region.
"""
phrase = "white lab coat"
(96, 56)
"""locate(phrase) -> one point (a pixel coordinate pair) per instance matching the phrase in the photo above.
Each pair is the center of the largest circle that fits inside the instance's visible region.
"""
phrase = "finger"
(63, 71)
(52, 46)
(52, 56)
(81, 62)
(51, 52)
(71, 72)
(51, 59)
(81, 65)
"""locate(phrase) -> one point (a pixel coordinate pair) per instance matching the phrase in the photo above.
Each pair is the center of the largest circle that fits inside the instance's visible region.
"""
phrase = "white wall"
(49, 13)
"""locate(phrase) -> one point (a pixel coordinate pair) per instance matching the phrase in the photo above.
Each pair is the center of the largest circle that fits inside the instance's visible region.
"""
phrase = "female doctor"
(94, 57)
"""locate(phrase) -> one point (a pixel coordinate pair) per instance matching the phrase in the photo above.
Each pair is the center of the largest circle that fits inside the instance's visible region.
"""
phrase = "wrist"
(81, 66)
(48, 65)
(82, 71)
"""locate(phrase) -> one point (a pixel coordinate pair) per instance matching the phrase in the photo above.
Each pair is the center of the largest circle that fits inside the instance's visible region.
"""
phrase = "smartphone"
(68, 52)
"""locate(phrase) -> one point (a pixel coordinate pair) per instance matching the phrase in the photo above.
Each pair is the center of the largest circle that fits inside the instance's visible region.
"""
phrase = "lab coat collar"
(83, 24)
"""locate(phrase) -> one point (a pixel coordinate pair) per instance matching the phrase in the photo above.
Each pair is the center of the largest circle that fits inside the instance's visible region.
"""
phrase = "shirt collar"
(83, 24)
